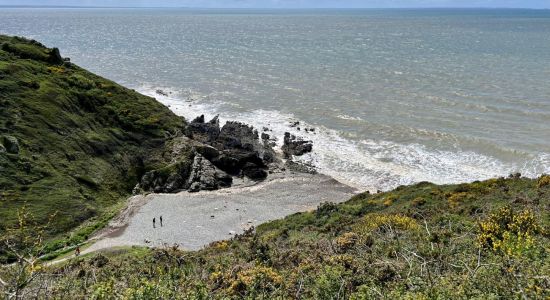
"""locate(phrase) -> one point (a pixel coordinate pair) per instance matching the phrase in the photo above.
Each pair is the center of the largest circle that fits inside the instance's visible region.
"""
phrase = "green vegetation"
(490, 242)
(71, 143)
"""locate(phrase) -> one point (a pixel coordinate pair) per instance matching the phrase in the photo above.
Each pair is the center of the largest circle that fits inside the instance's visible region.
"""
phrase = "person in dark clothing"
(160, 221)
(154, 222)
(77, 251)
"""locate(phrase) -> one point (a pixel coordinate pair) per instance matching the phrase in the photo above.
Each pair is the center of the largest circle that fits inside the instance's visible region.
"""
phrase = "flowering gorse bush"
(509, 232)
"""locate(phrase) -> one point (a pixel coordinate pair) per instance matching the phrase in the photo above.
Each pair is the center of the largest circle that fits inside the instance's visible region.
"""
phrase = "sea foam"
(365, 164)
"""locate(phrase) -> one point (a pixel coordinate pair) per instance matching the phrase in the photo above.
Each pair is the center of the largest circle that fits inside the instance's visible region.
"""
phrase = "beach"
(194, 220)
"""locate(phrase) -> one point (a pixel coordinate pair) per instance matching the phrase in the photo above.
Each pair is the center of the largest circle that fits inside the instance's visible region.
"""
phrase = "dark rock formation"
(254, 172)
(55, 57)
(204, 132)
(207, 151)
(300, 167)
(11, 144)
(205, 176)
(295, 146)
(172, 178)
(161, 92)
(235, 148)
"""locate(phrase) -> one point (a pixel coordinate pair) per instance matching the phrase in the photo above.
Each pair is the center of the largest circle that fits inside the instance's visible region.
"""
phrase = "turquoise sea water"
(396, 96)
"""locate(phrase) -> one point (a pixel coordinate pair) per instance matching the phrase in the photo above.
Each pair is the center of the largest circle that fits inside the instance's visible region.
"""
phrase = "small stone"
(231, 232)
(11, 144)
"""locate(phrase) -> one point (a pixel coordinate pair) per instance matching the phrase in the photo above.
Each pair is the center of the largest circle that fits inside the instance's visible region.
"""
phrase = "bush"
(508, 232)
(543, 181)
(255, 279)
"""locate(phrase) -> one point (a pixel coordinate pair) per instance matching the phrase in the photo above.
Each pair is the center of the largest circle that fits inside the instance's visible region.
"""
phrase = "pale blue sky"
(291, 3)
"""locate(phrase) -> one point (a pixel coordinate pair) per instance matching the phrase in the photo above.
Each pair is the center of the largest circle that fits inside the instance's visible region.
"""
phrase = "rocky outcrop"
(293, 146)
(300, 167)
(204, 132)
(205, 176)
(11, 144)
(170, 179)
(235, 148)
(217, 154)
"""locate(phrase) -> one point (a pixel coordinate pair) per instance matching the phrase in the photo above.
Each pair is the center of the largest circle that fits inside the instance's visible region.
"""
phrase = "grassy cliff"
(72, 144)
(484, 240)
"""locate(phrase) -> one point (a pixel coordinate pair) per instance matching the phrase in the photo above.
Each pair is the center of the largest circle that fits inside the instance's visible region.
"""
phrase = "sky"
(288, 3)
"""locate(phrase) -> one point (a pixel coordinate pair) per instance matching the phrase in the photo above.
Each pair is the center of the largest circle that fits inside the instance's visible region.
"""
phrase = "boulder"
(238, 135)
(55, 57)
(161, 92)
(295, 146)
(254, 171)
(207, 151)
(300, 167)
(11, 144)
(170, 179)
(205, 176)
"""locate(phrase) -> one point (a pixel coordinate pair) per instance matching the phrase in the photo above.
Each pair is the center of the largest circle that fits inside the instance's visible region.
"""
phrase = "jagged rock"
(55, 57)
(254, 171)
(208, 152)
(227, 163)
(238, 135)
(234, 145)
(11, 144)
(204, 132)
(161, 92)
(295, 146)
(205, 176)
(172, 178)
(300, 167)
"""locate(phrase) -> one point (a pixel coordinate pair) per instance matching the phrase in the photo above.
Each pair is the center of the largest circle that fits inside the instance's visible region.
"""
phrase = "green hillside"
(484, 240)
(71, 143)
(74, 145)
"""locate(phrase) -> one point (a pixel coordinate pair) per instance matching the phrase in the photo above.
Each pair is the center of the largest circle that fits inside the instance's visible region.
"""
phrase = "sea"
(394, 96)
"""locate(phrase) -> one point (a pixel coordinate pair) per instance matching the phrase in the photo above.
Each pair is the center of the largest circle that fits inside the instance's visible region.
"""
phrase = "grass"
(491, 244)
(84, 141)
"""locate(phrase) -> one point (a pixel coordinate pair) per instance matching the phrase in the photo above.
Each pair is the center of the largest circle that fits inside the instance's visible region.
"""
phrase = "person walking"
(77, 251)
(160, 221)
(154, 222)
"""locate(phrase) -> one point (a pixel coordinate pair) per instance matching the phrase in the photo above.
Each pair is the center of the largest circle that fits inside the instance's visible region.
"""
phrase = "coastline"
(194, 220)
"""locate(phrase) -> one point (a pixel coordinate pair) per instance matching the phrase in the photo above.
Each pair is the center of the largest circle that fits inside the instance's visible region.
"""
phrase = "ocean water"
(395, 96)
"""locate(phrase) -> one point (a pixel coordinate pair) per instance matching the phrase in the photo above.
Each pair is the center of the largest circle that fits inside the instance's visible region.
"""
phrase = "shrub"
(347, 240)
(389, 200)
(456, 198)
(329, 284)
(543, 181)
(508, 232)
(372, 222)
(417, 202)
(80, 81)
(258, 278)
(326, 208)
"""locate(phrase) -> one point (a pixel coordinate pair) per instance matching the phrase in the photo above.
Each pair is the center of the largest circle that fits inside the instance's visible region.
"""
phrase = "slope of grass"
(84, 141)
(484, 240)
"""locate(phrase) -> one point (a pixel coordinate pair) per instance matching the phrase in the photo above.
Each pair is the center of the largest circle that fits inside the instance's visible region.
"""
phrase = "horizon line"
(270, 8)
